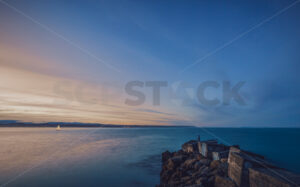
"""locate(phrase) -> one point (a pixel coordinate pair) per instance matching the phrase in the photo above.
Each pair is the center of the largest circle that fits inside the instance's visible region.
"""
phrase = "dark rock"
(170, 164)
(197, 165)
(204, 171)
(195, 185)
(187, 167)
(210, 181)
(189, 163)
(173, 162)
(178, 159)
(205, 161)
(223, 182)
(199, 157)
(179, 153)
(215, 164)
(215, 172)
(196, 174)
(186, 178)
(166, 155)
(201, 180)
(224, 168)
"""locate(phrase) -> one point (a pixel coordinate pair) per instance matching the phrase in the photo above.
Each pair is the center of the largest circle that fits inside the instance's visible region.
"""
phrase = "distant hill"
(13, 123)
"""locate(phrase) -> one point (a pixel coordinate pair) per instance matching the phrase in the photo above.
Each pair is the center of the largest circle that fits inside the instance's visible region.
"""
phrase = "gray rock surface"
(189, 167)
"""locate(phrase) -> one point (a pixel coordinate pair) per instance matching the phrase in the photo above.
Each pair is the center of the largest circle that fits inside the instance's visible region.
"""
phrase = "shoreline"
(82, 125)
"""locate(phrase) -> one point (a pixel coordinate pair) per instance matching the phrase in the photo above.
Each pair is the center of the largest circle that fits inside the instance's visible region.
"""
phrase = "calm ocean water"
(120, 156)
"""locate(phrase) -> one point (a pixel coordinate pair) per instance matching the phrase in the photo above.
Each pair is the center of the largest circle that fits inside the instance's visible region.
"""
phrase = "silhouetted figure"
(198, 138)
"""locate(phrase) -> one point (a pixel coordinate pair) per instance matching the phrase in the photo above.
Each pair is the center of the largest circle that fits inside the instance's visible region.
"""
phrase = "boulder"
(189, 163)
(215, 172)
(186, 178)
(170, 164)
(210, 181)
(178, 153)
(201, 180)
(178, 159)
(199, 156)
(165, 156)
(198, 165)
(205, 161)
(205, 171)
(195, 185)
(165, 176)
(223, 182)
(215, 164)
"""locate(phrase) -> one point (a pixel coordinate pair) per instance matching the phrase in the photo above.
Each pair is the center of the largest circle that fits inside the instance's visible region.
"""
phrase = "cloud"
(34, 97)
(154, 111)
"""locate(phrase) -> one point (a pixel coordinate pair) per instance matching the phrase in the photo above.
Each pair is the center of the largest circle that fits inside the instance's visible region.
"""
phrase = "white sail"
(58, 128)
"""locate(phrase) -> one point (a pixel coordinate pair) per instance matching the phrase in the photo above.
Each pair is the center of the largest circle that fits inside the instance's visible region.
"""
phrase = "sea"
(130, 157)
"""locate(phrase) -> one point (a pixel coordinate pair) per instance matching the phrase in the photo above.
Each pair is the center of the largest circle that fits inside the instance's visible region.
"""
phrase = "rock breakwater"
(209, 163)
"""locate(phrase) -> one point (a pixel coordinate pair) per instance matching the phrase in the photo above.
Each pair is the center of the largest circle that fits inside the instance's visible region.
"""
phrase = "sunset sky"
(70, 61)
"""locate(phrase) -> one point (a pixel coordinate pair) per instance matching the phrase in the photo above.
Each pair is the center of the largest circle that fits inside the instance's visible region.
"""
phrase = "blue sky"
(46, 43)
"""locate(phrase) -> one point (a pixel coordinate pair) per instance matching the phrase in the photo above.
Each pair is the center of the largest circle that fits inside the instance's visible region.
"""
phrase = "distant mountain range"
(14, 123)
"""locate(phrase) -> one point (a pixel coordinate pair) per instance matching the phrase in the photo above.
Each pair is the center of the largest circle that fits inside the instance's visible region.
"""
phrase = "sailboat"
(58, 128)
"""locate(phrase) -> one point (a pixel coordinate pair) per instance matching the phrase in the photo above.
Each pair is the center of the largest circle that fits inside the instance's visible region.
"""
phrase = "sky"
(70, 61)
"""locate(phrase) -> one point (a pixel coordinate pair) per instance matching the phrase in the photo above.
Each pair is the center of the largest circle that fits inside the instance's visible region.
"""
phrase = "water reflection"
(118, 156)
(25, 149)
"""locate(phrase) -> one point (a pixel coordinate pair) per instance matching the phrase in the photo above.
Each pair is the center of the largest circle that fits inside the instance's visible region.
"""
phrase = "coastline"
(82, 125)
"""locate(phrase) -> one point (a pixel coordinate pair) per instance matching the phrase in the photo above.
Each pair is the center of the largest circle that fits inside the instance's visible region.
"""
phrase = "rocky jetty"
(208, 163)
